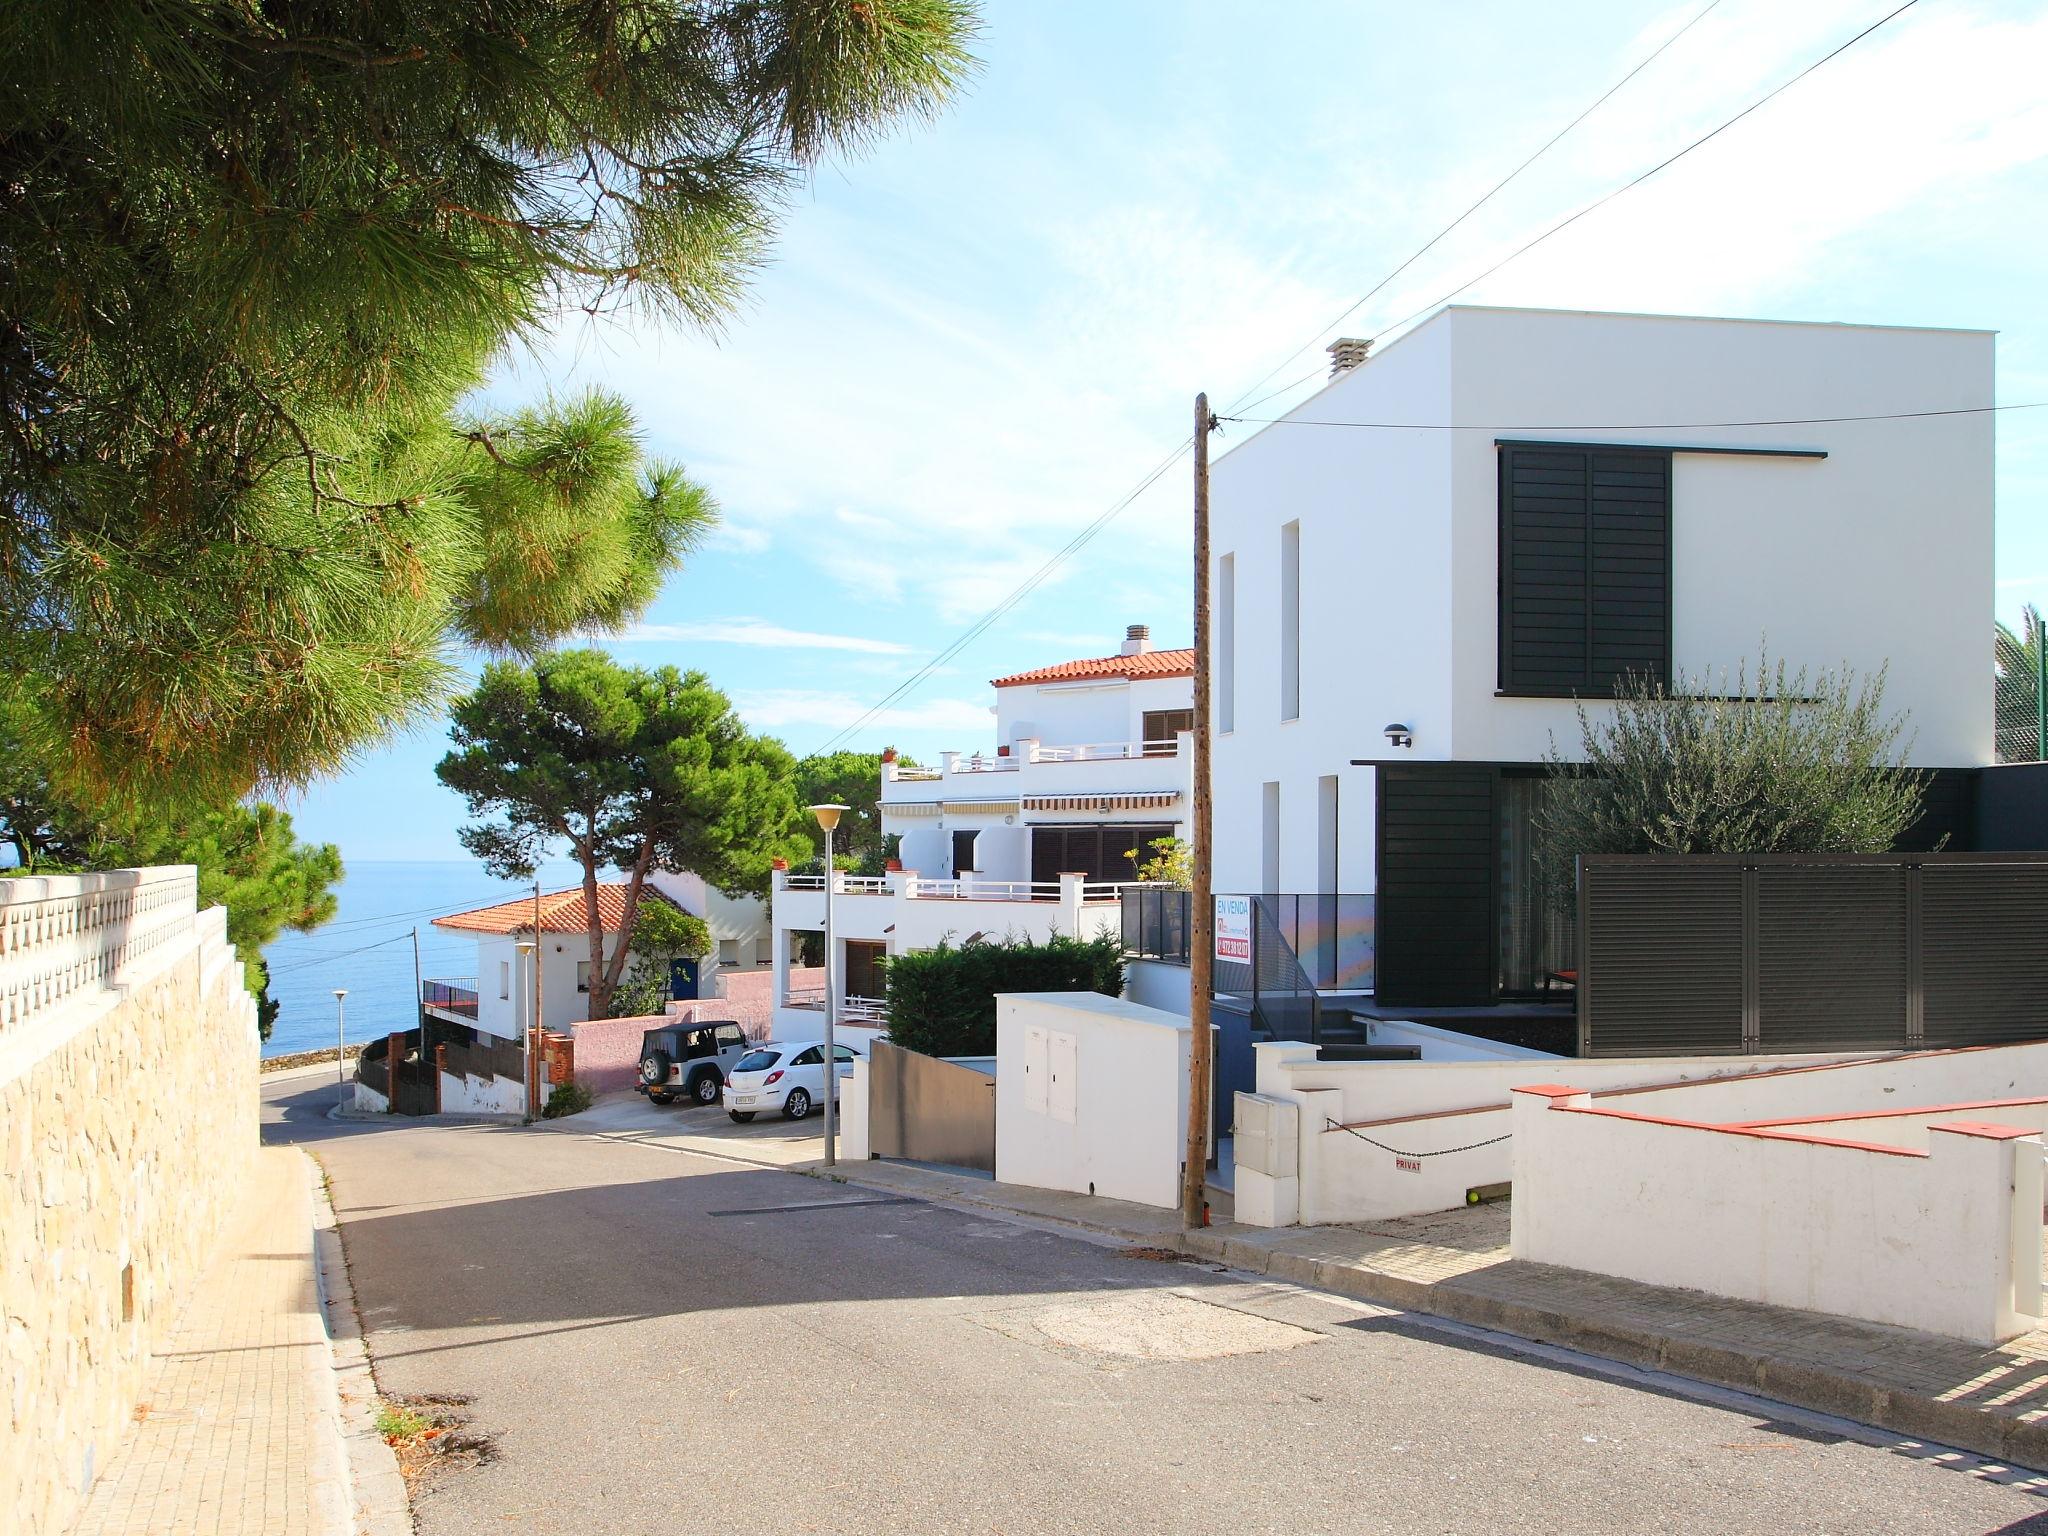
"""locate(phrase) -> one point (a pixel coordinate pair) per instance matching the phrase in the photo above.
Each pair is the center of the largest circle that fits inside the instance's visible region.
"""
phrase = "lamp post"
(828, 818)
(340, 1049)
(526, 1033)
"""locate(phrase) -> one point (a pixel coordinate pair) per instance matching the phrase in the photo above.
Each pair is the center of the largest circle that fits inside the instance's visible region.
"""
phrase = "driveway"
(665, 1341)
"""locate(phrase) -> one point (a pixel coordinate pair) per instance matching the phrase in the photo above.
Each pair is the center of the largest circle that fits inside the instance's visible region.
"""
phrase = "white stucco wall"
(1086, 711)
(464, 1095)
(1879, 554)
(1156, 984)
(1947, 1240)
(1091, 1096)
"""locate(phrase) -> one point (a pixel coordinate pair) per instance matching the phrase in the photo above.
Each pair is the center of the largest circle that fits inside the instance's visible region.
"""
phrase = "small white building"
(496, 998)
(1421, 571)
(1033, 836)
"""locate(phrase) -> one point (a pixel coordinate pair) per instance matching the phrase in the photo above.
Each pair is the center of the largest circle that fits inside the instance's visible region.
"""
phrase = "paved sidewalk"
(1456, 1265)
(237, 1430)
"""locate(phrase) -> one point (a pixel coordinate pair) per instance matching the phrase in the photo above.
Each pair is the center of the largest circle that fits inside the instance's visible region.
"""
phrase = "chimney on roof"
(1137, 640)
(1346, 353)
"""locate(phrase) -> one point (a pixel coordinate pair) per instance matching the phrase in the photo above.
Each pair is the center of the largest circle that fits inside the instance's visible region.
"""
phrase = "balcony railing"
(967, 888)
(451, 994)
(852, 1009)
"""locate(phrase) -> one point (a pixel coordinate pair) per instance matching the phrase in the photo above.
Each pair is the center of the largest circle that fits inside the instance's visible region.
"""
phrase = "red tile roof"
(560, 912)
(1144, 664)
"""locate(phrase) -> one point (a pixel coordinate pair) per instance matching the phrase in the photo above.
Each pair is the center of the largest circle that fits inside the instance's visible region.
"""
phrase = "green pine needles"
(253, 261)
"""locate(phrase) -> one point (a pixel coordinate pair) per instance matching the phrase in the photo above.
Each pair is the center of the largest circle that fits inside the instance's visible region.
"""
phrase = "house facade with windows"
(1031, 836)
(1424, 571)
(497, 997)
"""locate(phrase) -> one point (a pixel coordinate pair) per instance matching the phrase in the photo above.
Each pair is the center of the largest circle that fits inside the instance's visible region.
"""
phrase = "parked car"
(693, 1060)
(788, 1075)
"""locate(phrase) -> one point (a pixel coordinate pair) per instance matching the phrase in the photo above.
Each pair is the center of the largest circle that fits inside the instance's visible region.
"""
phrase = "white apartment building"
(1031, 836)
(1424, 568)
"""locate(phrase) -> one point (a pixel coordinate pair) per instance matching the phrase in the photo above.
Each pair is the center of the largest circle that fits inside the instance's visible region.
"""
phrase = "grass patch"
(396, 1422)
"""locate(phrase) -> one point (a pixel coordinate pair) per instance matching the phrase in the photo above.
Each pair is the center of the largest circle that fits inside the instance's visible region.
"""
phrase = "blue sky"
(976, 337)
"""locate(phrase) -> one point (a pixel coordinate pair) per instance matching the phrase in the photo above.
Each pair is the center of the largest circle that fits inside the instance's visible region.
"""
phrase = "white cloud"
(757, 632)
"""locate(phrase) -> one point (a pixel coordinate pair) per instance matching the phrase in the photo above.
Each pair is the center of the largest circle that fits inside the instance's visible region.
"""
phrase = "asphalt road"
(661, 1342)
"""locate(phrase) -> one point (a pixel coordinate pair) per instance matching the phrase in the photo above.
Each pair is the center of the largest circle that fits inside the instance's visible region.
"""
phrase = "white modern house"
(1423, 569)
(1032, 836)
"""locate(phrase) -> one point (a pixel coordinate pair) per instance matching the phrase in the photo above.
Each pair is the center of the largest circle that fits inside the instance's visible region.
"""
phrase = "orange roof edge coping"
(1983, 1128)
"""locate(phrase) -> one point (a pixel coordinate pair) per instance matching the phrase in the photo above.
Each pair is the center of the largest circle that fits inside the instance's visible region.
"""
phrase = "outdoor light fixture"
(1399, 735)
(828, 818)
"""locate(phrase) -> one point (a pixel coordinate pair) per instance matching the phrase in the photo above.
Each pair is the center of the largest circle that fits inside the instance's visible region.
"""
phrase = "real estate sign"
(1234, 928)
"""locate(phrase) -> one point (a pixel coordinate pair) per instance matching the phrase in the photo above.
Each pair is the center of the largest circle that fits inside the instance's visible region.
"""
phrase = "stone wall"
(127, 1128)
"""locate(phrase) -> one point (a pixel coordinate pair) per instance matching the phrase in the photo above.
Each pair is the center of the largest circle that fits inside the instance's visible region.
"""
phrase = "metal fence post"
(1752, 979)
(2040, 694)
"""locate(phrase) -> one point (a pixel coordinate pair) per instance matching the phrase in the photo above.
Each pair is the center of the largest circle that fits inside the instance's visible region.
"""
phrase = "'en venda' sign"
(1234, 928)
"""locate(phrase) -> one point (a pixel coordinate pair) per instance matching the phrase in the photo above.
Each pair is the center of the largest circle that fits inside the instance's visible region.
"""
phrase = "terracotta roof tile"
(1144, 664)
(560, 912)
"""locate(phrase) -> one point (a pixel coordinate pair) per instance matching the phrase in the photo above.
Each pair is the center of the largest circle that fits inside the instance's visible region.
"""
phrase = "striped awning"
(910, 807)
(1136, 802)
(980, 807)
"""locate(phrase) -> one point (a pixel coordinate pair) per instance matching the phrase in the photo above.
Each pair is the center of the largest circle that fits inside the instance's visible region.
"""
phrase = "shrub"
(1779, 765)
(943, 1001)
(565, 1099)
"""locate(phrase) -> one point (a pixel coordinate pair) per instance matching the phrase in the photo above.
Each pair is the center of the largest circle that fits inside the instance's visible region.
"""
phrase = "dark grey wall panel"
(1660, 968)
(1435, 912)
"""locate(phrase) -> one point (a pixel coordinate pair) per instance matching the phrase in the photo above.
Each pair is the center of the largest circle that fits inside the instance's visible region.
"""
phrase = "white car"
(785, 1075)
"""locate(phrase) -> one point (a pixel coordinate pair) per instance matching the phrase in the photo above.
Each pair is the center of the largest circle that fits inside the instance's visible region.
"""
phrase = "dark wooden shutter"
(1585, 561)
(1630, 520)
(1435, 923)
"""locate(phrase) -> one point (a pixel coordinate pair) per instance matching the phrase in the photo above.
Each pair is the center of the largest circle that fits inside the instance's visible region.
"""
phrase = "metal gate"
(929, 1110)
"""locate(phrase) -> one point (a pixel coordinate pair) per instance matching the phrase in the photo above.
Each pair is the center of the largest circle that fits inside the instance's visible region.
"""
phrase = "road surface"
(660, 1342)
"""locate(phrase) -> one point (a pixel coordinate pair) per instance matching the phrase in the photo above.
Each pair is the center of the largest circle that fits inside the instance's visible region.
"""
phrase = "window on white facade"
(1326, 834)
(764, 949)
(1290, 622)
(1269, 839)
(504, 978)
(1226, 643)
(582, 975)
(728, 951)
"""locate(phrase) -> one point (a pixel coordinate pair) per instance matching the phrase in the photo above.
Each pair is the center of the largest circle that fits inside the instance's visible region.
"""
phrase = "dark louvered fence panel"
(1660, 970)
(1795, 952)
(1984, 952)
(1831, 957)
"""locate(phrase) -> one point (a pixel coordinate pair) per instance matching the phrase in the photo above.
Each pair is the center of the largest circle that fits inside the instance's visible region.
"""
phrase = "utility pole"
(419, 1015)
(533, 1032)
(1194, 1205)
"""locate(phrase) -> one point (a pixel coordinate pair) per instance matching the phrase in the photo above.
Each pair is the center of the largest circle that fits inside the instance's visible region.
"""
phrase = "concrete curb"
(1841, 1392)
(1804, 1385)
(377, 1489)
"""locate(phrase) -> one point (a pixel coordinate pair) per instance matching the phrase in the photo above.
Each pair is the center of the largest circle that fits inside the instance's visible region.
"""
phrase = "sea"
(367, 947)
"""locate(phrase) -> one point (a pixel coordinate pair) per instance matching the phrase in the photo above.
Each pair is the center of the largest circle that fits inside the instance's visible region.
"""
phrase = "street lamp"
(340, 1049)
(528, 1032)
(828, 818)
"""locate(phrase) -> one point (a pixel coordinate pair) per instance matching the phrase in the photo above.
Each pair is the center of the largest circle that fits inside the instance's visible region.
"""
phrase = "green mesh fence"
(2019, 688)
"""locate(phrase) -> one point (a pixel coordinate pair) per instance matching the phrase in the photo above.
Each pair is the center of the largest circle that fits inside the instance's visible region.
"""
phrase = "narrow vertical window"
(1290, 622)
(1226, 643)
(1326, 834)
(1269, 840)
(504, 978)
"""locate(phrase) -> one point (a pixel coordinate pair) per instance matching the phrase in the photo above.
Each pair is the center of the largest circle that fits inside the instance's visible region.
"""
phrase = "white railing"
(803, 882)
(852, 1010)
(1104, 751)
(62, 936)
(863, 885)
(986, 890)
(979, 764)
(917, 775)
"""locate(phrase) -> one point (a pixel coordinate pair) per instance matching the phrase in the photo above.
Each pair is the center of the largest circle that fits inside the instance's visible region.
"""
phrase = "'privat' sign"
(1234, 928)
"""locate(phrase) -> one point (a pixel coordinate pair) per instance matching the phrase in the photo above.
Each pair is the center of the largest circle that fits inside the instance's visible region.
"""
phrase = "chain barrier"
(1330, 1125)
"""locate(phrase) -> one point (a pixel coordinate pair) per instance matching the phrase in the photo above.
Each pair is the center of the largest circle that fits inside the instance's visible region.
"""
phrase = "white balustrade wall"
(68, 936)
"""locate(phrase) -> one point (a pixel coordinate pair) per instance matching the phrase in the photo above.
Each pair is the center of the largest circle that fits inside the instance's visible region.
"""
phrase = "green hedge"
(943, 1001)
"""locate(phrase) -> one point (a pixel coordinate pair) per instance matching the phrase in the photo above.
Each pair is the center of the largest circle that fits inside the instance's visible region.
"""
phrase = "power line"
(1427, 246)
(1031, 584)
(1025, 589)
(307, 965)
(1661, 165)
(1634, 426)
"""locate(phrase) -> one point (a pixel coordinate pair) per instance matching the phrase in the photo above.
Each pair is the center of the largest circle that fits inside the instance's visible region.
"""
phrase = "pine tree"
(252, 258)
